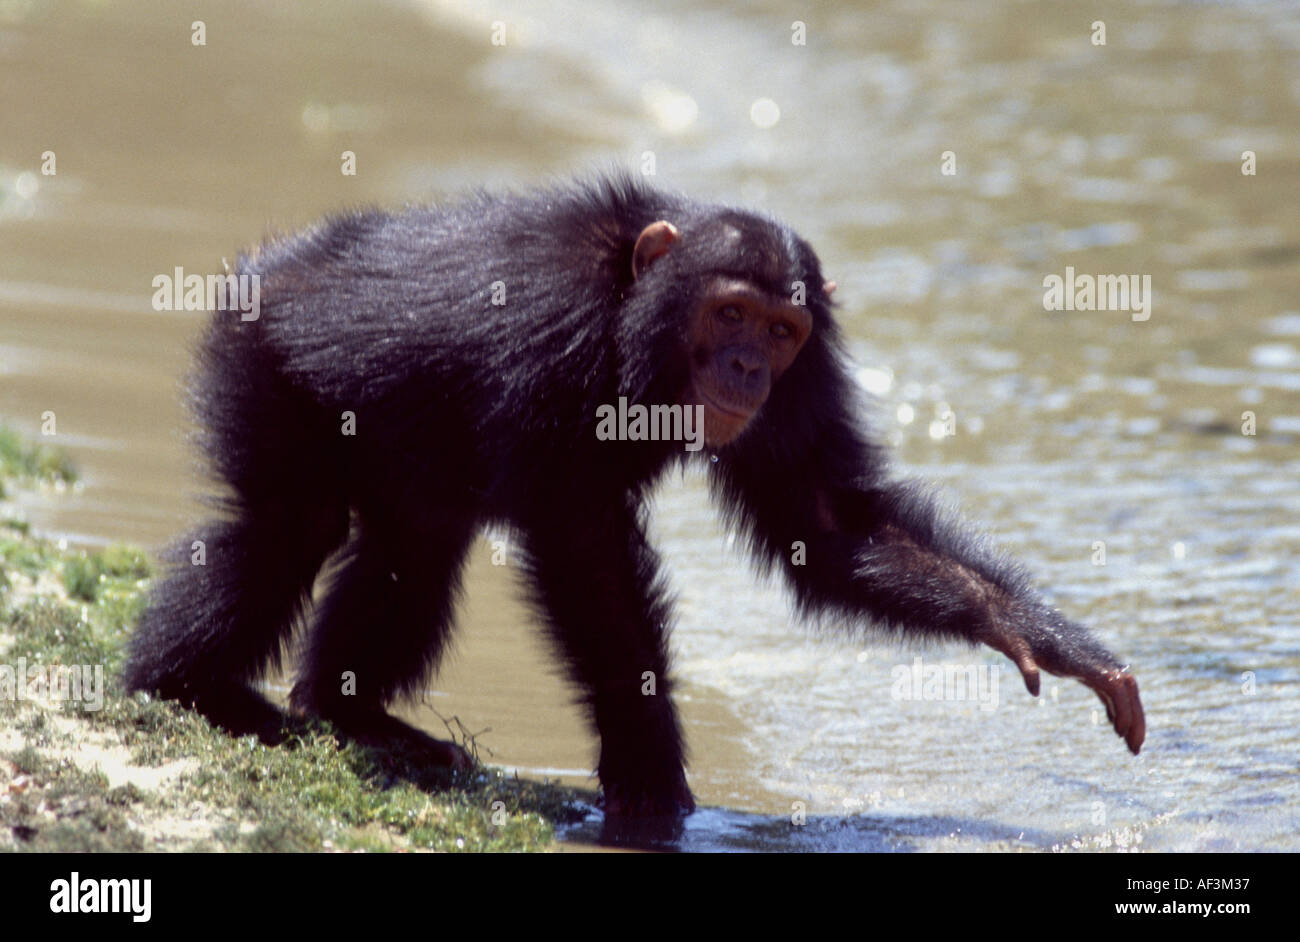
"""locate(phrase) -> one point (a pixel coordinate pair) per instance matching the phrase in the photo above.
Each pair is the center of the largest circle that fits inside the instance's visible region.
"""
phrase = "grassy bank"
(108, 772)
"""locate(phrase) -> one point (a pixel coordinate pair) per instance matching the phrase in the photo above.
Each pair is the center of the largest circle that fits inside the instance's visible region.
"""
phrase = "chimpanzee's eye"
(781, 330)
(731, 313)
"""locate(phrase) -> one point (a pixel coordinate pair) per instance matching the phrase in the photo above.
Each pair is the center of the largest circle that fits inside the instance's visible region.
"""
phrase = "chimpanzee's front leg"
(597, 582)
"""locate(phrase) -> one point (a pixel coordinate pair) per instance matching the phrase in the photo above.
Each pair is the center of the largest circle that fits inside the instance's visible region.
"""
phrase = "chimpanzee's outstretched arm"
(885, 550)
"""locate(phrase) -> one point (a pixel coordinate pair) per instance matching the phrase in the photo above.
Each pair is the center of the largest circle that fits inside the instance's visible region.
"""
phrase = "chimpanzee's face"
(740, 340)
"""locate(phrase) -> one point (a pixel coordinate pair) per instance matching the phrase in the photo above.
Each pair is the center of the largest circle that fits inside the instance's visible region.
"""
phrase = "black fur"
(469, 412)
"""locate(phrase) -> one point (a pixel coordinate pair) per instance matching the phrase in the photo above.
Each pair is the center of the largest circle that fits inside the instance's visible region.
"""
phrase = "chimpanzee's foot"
(648, 818)
(639, 803)
(236, 708)
(375, 727)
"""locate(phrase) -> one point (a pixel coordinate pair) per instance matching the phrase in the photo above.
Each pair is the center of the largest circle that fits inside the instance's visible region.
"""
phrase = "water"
(1072, 427)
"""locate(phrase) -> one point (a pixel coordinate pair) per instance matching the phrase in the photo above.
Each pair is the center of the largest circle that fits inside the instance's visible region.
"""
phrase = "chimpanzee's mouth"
(732, 411)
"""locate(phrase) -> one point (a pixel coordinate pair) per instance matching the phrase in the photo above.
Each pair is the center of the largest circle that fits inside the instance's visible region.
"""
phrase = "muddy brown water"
(1072, 428)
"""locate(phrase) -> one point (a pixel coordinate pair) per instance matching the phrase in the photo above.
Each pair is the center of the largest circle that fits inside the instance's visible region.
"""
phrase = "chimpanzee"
(413, 376)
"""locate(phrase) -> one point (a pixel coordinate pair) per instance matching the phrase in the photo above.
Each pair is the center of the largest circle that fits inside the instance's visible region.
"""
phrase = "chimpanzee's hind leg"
(382, 628)
(219, 618)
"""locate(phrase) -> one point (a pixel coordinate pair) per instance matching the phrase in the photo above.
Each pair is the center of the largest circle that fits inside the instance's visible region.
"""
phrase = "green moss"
(49, 632)
(85, 573)
(20, 458)
(81, 578)
(124, 562)
(60, 807)
(26, 556)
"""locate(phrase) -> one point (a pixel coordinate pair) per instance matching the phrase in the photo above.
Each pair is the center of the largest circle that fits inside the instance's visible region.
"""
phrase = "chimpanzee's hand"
(1067, 650)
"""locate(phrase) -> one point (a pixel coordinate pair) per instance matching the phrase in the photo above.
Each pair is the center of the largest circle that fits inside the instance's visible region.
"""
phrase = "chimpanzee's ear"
(654, 241)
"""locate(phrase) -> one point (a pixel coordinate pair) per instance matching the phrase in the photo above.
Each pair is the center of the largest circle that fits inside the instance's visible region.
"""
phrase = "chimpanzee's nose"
(743, 363)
